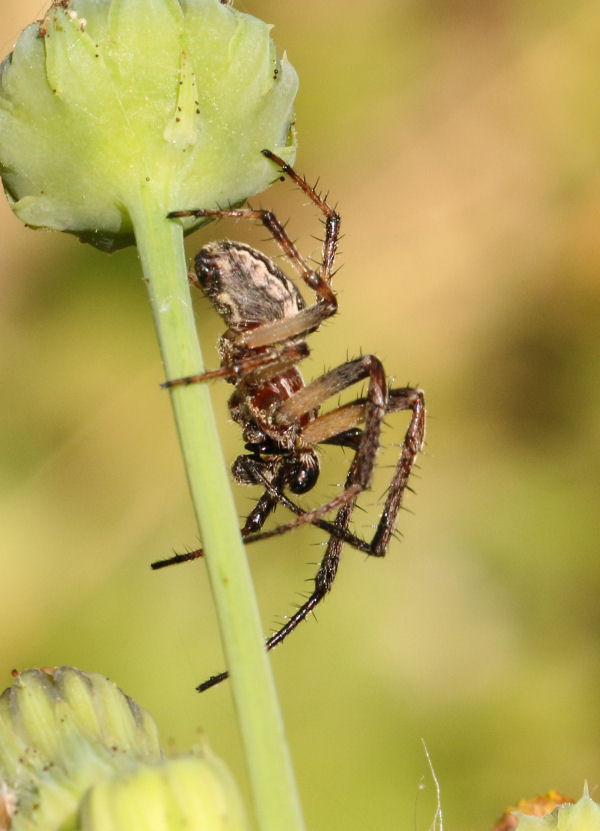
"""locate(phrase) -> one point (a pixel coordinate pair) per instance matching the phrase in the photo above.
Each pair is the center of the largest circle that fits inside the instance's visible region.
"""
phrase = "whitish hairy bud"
(107, 99)
(583, 815)
(77, 753)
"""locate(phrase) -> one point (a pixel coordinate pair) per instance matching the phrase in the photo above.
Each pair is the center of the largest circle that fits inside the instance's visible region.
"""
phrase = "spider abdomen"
(244, 285)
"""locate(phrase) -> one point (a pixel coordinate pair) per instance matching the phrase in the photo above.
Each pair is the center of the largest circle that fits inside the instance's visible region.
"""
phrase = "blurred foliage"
(460, 141)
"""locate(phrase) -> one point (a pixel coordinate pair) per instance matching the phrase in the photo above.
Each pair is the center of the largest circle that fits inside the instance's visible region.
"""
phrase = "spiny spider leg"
(276, 359)
(373, 407)
(399, 399)
(323, 581)
(406, 398)
(306, 319)
(274, 497)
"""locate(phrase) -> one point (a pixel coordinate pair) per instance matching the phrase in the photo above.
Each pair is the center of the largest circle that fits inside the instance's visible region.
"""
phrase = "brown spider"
(268, 321)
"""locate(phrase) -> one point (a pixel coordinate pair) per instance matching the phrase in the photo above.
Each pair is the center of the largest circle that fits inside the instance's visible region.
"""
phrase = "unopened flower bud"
(105, 100)
(75, 752)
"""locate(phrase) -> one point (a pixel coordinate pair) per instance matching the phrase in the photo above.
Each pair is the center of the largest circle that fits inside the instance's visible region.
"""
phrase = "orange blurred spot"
(539, 806)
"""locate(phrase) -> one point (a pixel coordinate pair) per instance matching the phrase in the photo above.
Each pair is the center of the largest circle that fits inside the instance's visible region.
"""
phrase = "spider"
(280, 416)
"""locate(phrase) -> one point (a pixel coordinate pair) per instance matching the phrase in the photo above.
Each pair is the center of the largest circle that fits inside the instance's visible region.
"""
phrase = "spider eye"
(302, 472)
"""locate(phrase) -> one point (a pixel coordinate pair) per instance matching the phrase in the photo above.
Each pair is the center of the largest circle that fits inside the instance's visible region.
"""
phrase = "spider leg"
(414, 439)
(252, 534)
(399, 399)
(274, 490)
(323, 579)
(358, 478)
(405, 398)
(332, 218)
(308, 319)
(265, 505)
(254, 522)
(251, 531)
(275, 360)
(323, 582)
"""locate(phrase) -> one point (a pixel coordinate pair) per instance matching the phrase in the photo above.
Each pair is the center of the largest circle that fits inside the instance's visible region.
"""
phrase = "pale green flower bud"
(188, 794)
(583, 815)
(107, 99)
(77, 753)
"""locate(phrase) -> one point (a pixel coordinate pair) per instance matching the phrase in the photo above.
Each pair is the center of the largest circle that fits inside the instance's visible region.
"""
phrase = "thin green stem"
(160, 245)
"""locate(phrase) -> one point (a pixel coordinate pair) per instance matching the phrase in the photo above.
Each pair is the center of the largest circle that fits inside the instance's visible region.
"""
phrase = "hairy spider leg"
(310, 318)
(372, 409)
(406, 398)
(281, 357)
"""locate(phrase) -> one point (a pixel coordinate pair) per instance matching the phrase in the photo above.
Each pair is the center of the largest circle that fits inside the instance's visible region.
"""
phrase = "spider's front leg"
(272, 330)
(266, 504)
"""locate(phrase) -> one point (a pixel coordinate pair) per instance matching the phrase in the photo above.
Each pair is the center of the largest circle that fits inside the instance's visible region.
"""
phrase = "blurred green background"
(460, 141)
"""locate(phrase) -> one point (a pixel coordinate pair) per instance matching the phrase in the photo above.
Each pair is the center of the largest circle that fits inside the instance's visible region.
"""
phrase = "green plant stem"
(160, 245)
